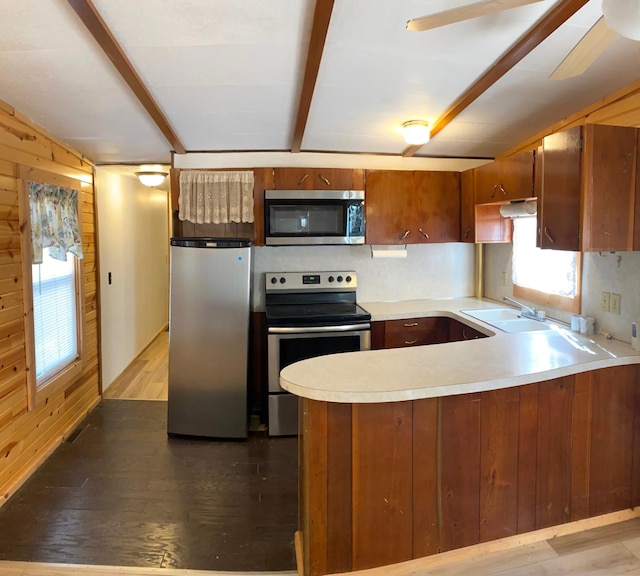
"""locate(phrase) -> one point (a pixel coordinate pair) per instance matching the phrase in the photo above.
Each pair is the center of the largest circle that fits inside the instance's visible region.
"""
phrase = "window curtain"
(54, 221)
(208, 197)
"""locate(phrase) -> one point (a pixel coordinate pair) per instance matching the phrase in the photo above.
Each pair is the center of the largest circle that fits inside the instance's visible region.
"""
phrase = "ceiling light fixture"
(623, 17)
(154, 178)
(416, 132)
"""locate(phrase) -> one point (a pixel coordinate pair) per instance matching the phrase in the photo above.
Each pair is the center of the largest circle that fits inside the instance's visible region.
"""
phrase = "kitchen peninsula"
(409, 452)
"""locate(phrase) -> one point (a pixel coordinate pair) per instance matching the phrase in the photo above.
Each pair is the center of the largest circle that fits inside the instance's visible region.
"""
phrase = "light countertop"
(501, 360)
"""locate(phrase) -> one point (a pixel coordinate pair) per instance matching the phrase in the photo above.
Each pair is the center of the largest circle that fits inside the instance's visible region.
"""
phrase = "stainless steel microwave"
(293, 217)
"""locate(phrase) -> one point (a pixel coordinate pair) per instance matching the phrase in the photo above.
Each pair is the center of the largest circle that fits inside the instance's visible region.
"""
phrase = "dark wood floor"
(121, 493)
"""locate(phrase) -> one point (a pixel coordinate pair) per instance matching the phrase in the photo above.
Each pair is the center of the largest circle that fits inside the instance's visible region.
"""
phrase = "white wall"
(617, 272)
(428, 271)
(133, 244)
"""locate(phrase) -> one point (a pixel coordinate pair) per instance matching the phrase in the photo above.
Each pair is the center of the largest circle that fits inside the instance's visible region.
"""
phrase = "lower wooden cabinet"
(420, 332)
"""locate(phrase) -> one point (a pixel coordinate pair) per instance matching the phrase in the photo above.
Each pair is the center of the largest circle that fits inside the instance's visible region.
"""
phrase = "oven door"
(288, 345)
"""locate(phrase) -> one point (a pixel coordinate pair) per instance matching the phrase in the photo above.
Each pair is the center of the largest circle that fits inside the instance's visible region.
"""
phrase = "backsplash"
(428, 271)
(617, 272)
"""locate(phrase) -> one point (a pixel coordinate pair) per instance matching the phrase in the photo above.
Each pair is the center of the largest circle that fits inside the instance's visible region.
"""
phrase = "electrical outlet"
(616, 302)
(605, 301)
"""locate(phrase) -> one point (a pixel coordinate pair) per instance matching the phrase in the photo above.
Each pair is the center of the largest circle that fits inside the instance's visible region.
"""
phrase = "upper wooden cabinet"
(481, 223)
(506, 179)
(318, 179)
(588, 189)
(412, 207)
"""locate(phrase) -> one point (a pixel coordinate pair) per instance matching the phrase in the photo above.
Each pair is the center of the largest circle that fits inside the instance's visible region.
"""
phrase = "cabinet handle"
(504, 192)
(410, 324)
(324, 179)
(406, 233)
(493, 192)
(410, 341)
(466, 234)
(548, 235)
(423, 233)
(302, 179)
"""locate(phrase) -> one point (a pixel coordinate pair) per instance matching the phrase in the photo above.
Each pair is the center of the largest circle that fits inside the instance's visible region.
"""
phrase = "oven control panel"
(313, 281)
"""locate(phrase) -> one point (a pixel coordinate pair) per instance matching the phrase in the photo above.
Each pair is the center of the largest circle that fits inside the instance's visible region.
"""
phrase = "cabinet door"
(467, 207)
(317, 179)
(487, 181)
(559, 216)
(609, 187)
(516, 176)
(390, 207)
(438, 215)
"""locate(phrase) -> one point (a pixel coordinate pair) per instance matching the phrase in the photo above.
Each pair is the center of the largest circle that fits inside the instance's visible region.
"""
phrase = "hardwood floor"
(121, 499)
(120, 492)
(146, 377)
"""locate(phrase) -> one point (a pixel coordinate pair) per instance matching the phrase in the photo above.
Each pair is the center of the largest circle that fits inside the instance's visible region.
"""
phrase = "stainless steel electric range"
(308, 314)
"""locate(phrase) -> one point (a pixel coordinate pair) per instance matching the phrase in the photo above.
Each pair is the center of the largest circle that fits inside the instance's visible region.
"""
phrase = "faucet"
(527, 311)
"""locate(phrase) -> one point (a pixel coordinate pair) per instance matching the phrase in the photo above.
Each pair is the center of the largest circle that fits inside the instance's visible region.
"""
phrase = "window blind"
(54, 315)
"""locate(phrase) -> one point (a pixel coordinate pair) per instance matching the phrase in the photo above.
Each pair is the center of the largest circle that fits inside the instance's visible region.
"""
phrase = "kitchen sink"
(493, 314)
(508, 320)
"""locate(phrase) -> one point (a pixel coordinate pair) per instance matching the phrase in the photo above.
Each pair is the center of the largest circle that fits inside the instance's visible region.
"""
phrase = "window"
(547, 277)
(54, 315)
(52, 266)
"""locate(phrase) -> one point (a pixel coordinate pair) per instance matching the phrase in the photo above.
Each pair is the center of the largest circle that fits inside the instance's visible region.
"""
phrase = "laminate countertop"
(501, 360)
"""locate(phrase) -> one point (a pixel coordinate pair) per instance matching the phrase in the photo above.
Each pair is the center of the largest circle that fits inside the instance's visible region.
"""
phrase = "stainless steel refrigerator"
(209, 337)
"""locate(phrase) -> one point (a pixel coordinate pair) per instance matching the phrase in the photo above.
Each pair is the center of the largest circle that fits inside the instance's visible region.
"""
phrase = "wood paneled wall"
(28, 436)
(385, 483)
(622, 108)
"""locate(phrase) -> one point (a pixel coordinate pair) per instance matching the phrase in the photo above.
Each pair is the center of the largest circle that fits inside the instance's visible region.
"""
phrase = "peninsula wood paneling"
(499, 464)
(28, 436)
(416, 478)
(460, 471)
(553, 488)
(612, 422)
(382, 477)
(339, 482)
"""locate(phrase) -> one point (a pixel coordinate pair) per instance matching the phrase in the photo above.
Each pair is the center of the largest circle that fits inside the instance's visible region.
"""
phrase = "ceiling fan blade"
(464, 13)
(585, 52)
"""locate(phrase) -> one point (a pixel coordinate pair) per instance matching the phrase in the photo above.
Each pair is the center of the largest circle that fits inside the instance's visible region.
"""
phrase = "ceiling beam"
(557, 16)
(96, 25)
(321, 19)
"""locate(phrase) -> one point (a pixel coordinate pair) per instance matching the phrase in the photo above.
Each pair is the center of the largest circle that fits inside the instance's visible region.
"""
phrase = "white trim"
(200, 160)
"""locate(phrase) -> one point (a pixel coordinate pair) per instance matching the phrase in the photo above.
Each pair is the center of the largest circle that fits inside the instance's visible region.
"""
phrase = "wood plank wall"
(27, 437)
(385, 483)
(622, 108)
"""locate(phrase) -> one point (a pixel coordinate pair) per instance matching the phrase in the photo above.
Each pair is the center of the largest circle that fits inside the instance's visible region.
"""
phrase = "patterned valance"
(208, 197)
(54, 221)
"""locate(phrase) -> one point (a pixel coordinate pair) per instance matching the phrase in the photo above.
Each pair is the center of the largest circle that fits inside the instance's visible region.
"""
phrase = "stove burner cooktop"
(308, 314)
(313, 299)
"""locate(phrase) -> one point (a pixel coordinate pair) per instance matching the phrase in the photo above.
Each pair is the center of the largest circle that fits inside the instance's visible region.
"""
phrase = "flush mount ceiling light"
(151, 178)
(623, 17)
(416, 132)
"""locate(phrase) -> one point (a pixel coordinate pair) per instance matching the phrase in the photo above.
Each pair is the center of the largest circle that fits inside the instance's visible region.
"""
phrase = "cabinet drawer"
(415, 332)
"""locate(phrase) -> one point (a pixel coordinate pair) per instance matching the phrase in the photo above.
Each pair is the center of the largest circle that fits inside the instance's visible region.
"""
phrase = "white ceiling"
(227, 75)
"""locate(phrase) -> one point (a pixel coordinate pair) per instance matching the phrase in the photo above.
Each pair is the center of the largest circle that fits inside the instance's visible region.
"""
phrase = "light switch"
(616, 302)
(605, 301)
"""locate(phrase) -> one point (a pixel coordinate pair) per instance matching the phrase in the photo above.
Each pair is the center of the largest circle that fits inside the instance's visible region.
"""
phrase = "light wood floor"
(146, 377)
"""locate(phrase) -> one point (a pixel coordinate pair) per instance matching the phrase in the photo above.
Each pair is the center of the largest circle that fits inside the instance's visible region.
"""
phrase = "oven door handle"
(314, 329)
